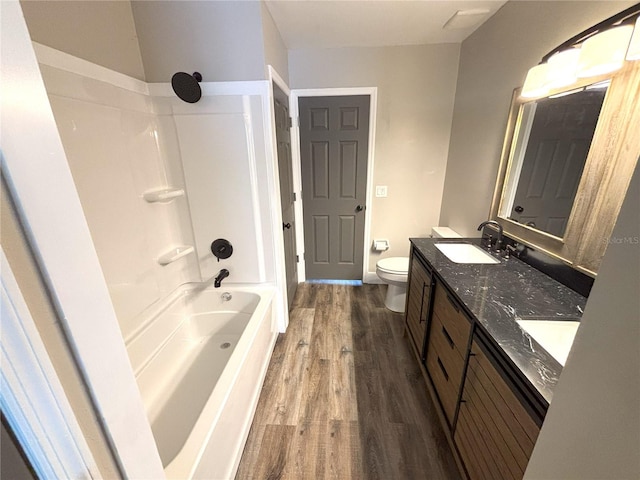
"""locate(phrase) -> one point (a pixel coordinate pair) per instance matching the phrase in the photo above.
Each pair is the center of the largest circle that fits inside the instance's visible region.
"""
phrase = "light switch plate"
(381, 190)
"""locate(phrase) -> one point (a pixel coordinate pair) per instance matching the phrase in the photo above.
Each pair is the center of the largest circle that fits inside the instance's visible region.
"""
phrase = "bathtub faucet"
(222, 274)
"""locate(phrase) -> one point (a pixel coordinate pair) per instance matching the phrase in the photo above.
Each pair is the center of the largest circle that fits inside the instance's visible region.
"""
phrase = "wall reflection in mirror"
(549, 149)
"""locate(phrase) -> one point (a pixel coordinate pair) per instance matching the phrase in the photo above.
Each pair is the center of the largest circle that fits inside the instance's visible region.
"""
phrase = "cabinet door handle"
(444, 371)
(453, 303)
(448, 337)
(422, 312)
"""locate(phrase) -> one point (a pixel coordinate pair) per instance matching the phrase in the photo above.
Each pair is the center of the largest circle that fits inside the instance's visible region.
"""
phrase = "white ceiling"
(372, 23)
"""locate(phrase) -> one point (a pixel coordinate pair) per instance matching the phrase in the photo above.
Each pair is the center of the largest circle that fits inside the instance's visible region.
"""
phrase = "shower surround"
(160, 179)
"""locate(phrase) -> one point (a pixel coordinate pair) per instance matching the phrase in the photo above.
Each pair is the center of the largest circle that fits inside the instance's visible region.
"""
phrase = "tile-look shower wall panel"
(216, 159)
(110, 137)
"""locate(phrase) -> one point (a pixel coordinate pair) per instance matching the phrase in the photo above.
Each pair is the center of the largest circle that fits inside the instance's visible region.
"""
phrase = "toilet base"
(395, 298)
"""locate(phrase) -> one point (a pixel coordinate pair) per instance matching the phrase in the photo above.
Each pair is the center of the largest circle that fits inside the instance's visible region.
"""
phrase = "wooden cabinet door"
(418, 295)
(494, 433)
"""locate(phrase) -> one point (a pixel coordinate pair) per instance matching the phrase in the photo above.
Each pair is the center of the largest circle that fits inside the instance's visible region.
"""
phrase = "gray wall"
(592, 429)
(220, 39)
(12, 464)
(101, 32)
(416, 87)
(493, 61)
(275, 51)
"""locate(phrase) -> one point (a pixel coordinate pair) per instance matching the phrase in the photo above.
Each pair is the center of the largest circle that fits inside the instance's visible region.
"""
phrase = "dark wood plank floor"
(344, 398)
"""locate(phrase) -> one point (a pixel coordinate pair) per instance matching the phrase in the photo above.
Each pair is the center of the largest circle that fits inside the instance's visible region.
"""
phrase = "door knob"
(286, 225)
(519, 209)
(359, 208)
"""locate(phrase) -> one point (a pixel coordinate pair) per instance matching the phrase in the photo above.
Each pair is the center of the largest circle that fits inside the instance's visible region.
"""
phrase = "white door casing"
(297, 172)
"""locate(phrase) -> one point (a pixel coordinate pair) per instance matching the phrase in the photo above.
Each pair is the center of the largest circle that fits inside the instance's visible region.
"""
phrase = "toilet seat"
(394, 265)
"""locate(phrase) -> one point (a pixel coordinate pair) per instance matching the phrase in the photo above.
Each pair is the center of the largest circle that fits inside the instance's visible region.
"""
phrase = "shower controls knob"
(221, 248)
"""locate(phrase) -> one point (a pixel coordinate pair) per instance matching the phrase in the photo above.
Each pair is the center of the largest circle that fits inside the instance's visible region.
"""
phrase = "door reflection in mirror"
(550, 148)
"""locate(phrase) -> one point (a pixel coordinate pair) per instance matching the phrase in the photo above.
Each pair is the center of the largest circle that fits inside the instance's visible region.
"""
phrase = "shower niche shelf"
(174, 254)
(163, 195)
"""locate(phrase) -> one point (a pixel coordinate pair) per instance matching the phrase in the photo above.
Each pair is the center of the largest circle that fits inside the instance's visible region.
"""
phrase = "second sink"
(555, 336)
(465, 253)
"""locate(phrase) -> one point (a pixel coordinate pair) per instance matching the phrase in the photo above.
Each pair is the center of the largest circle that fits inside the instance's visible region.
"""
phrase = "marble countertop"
(500, 294)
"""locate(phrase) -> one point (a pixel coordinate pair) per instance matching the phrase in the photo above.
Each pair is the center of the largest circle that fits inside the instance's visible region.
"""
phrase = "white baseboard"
(371, 277)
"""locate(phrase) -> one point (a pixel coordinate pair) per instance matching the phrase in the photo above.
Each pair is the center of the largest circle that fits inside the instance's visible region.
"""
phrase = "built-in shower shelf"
(175, 254)
(163, 195)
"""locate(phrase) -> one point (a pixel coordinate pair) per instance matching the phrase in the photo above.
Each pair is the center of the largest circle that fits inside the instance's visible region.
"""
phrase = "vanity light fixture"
(598, 50)
(604, 52)
(563, 68)
(536, 85)
(634, 46)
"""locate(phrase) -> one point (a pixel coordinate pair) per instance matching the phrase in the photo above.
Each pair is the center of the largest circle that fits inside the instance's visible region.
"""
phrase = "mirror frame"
(610, 163)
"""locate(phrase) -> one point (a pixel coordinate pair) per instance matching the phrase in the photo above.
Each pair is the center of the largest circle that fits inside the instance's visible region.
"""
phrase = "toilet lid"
(394, 265)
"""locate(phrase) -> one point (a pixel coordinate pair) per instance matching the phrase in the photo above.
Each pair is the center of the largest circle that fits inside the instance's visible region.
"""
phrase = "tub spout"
(222, 274)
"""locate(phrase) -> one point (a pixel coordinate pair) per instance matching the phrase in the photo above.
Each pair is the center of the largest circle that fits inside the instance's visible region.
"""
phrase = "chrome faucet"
(222, 274)
(493, 223)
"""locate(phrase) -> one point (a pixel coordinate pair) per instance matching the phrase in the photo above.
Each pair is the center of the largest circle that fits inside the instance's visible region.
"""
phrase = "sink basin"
(465, 253)
(555, 336)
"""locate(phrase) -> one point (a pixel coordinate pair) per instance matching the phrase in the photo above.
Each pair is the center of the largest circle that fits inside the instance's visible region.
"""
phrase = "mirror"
(580, 197)
(551, 142)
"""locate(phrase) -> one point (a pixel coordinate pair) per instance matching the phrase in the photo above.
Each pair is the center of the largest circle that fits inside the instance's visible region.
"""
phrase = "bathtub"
(200, 358)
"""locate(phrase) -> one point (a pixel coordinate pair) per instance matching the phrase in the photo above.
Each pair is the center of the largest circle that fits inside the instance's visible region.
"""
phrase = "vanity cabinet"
(418, 300)
(494, 432)
(448, 344)
(488, 407)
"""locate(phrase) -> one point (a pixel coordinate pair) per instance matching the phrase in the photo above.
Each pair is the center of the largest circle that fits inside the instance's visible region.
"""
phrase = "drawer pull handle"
(444, 372)
(453, 303)
(448, 337)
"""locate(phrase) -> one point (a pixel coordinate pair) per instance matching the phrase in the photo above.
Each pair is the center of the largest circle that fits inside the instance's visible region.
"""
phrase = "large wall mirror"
(551, 142)
(566, 164)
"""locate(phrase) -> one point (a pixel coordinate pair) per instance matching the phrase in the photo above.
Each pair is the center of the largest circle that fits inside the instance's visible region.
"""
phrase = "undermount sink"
(465, 253)
(555, 336)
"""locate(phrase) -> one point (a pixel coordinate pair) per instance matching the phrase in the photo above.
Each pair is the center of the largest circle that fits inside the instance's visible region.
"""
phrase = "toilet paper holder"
(381, 245)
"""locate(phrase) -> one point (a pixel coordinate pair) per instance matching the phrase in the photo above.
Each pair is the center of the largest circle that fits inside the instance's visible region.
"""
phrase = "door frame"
(276, 208)
(372, 92)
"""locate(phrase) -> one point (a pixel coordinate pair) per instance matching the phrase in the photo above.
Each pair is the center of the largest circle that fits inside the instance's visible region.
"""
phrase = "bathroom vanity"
(490, 379)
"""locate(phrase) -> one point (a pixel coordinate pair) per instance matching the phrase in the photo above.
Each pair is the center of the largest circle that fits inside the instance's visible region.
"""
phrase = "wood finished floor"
(344, 398)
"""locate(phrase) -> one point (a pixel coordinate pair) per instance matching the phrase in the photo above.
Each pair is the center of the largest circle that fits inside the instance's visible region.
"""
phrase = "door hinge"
(297, 258)
(290, 124)
(294, 196)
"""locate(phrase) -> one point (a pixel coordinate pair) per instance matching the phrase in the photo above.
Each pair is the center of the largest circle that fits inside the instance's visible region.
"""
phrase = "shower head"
(186, 86)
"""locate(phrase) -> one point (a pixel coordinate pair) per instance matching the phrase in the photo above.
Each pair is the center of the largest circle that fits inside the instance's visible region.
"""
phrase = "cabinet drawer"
(450, 356)
(453, 319)
(446, 385)
(494, 434)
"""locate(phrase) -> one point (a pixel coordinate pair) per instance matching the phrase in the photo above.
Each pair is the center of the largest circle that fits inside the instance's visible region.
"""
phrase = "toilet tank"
(444, 232)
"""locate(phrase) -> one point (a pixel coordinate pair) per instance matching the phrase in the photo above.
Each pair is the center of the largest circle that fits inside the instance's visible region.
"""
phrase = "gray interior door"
(334, 137)
(287, 196)
(556, 153)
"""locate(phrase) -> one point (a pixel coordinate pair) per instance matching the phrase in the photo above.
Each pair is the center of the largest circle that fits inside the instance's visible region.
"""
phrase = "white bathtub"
(200, 362)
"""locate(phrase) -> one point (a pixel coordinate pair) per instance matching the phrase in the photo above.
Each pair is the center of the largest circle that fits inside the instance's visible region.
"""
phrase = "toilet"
(394, 271)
